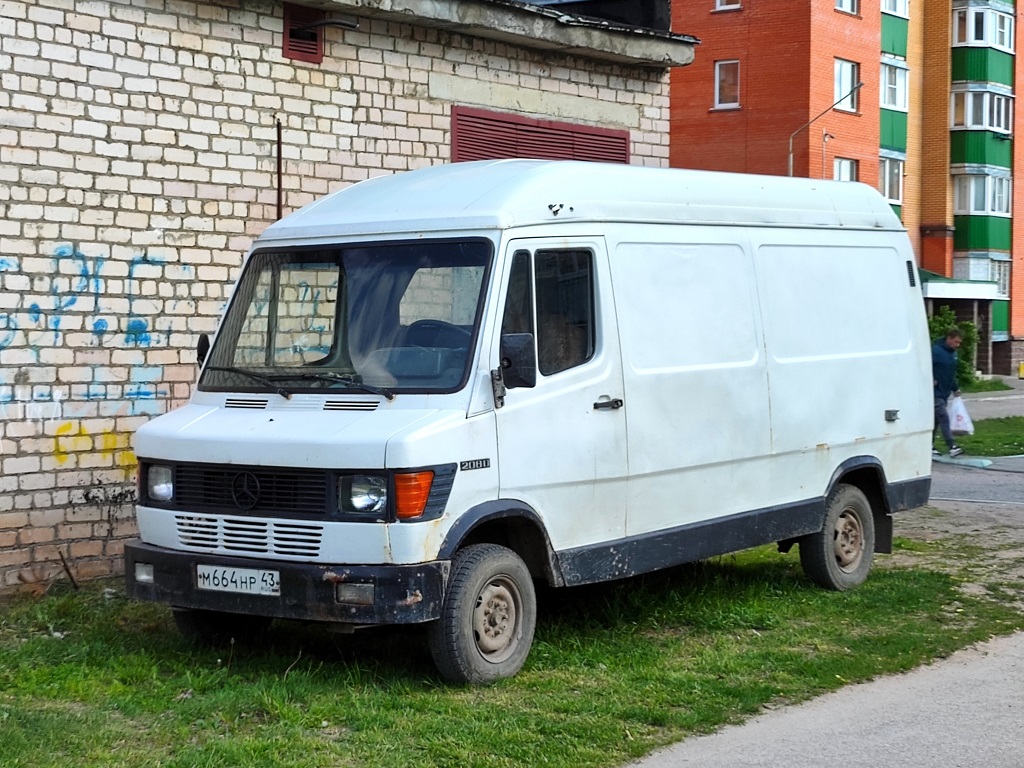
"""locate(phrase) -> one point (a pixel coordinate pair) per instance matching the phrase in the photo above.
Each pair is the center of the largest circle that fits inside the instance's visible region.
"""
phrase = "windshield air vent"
(351, 405)
(237, 402)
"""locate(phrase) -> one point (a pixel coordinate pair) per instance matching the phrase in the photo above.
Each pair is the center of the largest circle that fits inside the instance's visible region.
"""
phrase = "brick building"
(774, 90)
(144, 144)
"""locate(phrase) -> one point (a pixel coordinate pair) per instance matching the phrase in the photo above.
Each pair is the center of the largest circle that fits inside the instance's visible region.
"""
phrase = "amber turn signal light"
(411, 492)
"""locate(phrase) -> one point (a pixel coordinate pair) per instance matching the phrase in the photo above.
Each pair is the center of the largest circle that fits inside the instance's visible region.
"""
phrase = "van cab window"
(518, 317)
(565, 309)
(398, 317)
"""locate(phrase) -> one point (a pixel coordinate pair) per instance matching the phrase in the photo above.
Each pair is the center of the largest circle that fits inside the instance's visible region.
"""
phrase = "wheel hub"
(849, 540)
(494, 619)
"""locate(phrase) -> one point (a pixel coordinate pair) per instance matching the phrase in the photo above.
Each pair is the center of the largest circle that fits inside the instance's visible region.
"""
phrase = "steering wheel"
(437, 333)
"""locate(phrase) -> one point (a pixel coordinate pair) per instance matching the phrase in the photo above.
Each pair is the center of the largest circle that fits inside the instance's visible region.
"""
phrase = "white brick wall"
(137, 162)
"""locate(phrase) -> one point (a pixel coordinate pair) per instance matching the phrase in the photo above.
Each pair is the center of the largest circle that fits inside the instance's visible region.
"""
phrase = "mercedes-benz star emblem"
(245, 490)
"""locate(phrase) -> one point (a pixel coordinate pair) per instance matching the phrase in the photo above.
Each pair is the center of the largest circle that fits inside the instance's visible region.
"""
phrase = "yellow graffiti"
(73, 438)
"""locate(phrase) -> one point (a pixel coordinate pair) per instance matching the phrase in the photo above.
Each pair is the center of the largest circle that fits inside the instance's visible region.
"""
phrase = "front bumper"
(402, 594)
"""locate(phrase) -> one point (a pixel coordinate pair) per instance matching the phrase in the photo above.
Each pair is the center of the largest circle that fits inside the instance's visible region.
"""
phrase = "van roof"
(497, 194)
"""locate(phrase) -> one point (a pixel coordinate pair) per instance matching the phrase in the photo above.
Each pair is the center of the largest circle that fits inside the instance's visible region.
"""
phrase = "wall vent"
(479, 134)
(301, 42)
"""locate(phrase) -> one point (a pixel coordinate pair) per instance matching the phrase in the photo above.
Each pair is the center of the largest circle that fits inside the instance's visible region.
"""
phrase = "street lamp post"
(809, 122)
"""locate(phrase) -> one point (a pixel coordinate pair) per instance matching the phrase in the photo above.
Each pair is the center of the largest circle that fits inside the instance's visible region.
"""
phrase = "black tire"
(488, 617)
(214, 628)
(840, 556)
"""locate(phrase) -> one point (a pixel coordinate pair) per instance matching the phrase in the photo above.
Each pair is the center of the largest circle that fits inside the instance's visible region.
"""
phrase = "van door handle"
(608, 405)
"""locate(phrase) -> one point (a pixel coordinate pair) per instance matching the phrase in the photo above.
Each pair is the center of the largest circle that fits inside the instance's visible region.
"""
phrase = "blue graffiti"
(137, 332)
(144, 392)
(8, 330)
(84, 278)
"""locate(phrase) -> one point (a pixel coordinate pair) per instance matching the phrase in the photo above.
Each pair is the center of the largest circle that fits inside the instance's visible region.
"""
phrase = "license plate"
(247, 581)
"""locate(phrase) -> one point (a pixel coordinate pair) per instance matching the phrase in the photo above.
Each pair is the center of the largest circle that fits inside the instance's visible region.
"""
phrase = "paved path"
(966, 711)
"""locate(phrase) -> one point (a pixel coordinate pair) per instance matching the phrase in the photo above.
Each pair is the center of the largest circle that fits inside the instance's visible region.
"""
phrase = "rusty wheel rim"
(848, 541)
(496, 619)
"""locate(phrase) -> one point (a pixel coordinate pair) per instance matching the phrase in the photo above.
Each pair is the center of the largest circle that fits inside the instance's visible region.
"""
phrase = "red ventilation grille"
(303, 44)
(481, 135)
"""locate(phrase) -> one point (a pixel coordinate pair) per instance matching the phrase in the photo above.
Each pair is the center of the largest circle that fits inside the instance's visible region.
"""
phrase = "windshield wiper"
(259, 377)
(352, 381)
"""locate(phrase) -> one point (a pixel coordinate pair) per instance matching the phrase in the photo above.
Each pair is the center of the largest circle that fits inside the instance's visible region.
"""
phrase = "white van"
(431, 389)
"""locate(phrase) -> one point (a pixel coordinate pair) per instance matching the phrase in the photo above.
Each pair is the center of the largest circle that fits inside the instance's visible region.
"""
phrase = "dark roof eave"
(530, 26)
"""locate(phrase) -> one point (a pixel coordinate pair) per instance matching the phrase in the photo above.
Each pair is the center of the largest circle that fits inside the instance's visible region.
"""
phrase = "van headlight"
(363, 493)
(159, 482)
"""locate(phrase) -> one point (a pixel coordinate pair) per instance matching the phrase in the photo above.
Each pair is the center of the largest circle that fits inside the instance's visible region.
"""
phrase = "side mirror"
(518, 360)
(202, 349)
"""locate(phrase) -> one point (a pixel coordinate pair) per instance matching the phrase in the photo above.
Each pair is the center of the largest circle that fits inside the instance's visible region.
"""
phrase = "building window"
(984, 110)
(896, 7)
(983, 27)
(1000, 275)
(844, 169)
(894, 87)
(727, 84)
(847, 75)
(1002, 31)
(981, 195)
(846, 6)
(890, 179)
(727, 5)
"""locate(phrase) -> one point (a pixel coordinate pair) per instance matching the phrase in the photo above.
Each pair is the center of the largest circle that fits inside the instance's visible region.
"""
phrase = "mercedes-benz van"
(431, 390)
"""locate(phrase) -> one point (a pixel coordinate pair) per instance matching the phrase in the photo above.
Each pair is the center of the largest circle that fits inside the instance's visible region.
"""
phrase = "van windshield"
(383, 318)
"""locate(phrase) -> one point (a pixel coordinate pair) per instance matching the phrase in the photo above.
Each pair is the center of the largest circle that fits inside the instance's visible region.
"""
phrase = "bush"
(941, 322)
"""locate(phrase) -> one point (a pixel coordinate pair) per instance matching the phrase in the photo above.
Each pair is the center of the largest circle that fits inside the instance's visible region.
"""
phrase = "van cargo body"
(432, 389)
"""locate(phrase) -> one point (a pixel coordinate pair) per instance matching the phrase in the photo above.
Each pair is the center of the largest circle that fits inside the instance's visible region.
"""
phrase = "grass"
(986, 385)
(90, 678)
(992, 437)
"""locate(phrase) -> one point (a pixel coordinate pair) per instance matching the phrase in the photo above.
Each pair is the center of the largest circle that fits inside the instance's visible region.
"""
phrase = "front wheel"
(488, 618)
(840, 555)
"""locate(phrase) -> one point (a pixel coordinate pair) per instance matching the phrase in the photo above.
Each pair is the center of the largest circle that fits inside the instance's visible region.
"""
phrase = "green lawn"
(90, 678)
(992, 437)
(987, 385)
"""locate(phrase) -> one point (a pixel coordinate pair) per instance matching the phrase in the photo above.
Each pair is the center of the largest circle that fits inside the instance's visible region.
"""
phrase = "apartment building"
(915, 98)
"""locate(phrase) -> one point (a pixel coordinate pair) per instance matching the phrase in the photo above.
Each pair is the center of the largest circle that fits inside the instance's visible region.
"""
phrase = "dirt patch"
(981, 543)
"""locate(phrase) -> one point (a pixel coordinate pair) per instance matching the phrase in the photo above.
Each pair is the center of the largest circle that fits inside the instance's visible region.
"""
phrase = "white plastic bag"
(959, 420)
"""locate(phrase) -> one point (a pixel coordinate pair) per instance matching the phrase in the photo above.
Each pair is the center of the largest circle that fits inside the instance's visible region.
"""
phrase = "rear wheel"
(840, 556)
(488, 618)
(218, 628)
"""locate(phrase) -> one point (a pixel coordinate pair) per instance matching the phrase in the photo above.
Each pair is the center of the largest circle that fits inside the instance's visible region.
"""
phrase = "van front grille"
(256, 490)
(247, 536)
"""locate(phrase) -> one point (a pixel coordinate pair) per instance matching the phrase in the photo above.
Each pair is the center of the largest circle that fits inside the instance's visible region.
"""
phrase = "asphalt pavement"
(966, 711)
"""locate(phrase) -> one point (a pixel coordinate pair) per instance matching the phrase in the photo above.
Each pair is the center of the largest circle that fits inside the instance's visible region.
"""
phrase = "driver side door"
(562, 443)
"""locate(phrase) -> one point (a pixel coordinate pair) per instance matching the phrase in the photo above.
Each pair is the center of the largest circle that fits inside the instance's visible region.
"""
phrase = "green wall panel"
(894, 35)
(1000, 316)
(893, 130)
(897, 209)
(982, 65)
(981, 233)
(981, 148)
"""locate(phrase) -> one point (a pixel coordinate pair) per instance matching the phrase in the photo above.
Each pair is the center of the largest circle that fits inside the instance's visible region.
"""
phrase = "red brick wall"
(786, 50)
